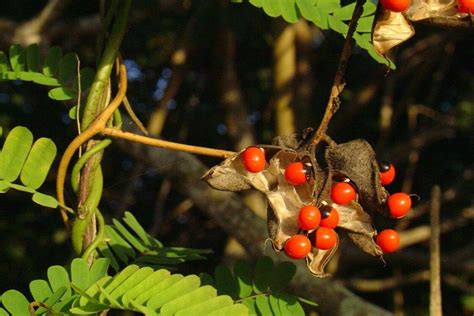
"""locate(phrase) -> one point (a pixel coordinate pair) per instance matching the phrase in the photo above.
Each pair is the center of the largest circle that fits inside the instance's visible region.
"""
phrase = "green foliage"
(327, 14)
(128, 242)
(29, 161)
(56, 70)
(260, 288)
(88, 291)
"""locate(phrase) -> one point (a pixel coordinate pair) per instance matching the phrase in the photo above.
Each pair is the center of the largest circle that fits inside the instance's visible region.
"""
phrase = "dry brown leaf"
(390, 30)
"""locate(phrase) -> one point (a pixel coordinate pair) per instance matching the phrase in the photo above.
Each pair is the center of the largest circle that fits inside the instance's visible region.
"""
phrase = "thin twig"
(338, 84)
(206, 151)
(435, 277)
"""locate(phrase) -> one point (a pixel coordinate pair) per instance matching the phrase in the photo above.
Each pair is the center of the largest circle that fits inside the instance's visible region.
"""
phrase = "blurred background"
(225, 75)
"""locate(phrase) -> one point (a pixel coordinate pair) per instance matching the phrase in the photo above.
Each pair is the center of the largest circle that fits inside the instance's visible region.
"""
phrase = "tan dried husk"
(393, 28)
(355, 160)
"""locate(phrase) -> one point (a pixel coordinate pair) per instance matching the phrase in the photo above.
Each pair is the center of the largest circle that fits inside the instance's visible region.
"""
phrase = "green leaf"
(131, 282)
(40, 79)
(45, 200)
(21, 188)
(40, 290)
(225, 282)
(73, 113)
(52, 300)
(61, 93)
(272, 8)
(3, 312)
(345, 13)
(98, 270)
(289, 10)
(152, 280)
(337, 25)
(204, 308)
(257, 3)
(4, 186)
(93, 293)
(206, 279)
(328, 6)
(234, 310)
(158, 288)
(365, 24)
(33, 57)
(262, 274)
(369, 8)
(58, 277)
(308, 10)
(38, 163)
(67, 68)
(183, 286)
(251, 305)
(16, 303)
(282, 275)
(132, 222)
(4, 67)
(243, 274)
(17, 58)
(14, 153)
(87, 77)
(119, 246)
(275, 306)
(80, 273)
(263, 305)
(128, 236)
(119, 278)
(289, 305)
(51, 62)
(198, 296)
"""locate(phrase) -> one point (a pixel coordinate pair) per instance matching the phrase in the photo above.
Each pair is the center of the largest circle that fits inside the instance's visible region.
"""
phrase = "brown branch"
(376, 285)
(338, 84)
(435, 278)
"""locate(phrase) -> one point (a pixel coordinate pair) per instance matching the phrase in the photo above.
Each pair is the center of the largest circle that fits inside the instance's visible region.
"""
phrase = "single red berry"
(297, 247)
(395, 5)
(329, 217)
(466, 6)
(342, 193)
(296, 173)
(325, 238)
(309, 217)
(387, 173)
(399, 204)
(253, 159)
(388, 240)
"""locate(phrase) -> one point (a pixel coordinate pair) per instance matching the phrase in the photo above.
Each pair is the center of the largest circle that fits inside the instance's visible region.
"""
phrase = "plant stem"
(338, 84)
(106, 64)
(166, 144)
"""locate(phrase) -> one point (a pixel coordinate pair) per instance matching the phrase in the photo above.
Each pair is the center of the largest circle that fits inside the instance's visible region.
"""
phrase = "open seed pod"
(354, 160)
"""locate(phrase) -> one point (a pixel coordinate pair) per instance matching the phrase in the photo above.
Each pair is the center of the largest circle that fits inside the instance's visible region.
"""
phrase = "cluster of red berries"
(321, 221)
(464, 6)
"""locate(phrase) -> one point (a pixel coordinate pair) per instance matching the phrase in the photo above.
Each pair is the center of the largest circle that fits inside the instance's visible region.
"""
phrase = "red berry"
(309, 217)
(466, 6)
(253, 159)
(388, 240)
(329, 217)
(297, 173)
(297, 247)
(387, 173)
(342, 193)
(395, 5)
(399, 204)
(325, 238)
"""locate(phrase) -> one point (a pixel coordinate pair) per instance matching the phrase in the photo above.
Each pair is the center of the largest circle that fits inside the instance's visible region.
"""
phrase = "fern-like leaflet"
(30, 161)
(56, 70)
(327, 14)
